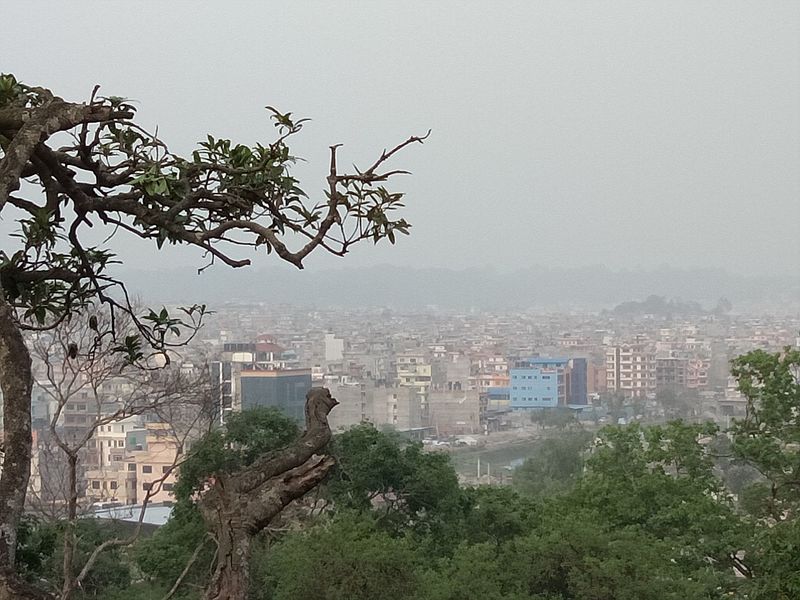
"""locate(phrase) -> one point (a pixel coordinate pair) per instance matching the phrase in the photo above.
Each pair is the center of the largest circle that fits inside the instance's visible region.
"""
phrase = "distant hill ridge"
(586, 287)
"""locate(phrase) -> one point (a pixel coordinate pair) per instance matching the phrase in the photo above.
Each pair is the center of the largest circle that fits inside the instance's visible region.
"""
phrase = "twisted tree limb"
(238, 506)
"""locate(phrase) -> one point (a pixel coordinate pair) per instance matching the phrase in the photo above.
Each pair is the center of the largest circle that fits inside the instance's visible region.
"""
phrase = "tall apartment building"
(682, 372)
(697, 373)
(152, 455)
(539, 383)
(284, 389)
(415, 371)
(243, 361)
(671, 372)
(134, 458)
(631, 369)
(577, 382)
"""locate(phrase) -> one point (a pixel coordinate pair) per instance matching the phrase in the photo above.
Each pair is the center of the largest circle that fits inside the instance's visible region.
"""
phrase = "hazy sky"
(564, 133)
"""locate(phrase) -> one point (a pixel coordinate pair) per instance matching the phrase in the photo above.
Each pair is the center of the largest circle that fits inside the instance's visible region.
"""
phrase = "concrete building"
(107, 445)
(116, 485)
(285, 389)
(356, 405)
(538, 383)
(455, 412)
(152, 453)
(369, 402)
(577, 393)
(671, 372)
(414, 371)
(400, 407)
(263, 355)
(631, 369)
(334, 348)
(697, 373)
(498, 398)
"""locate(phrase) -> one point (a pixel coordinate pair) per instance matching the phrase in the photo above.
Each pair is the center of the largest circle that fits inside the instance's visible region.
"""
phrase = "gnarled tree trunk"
(16, 382)
(238, 506)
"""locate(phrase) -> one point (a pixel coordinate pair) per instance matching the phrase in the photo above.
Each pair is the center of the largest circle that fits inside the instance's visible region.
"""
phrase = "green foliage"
(555, 466)
(768, 438)
(349, 558)
(408, 487)
(678, 404)
(246, 436)
(558, 418)
(36, 544)
(564, 559)
(497, 514)
(40, 555)
(774, 556)
(660, 480)
(163, 556)
(641, 513)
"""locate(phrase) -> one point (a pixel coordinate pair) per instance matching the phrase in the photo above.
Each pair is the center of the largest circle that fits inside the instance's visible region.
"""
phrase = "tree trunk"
(16, 382)
(231, 579)
(70, 538)
(237, 506)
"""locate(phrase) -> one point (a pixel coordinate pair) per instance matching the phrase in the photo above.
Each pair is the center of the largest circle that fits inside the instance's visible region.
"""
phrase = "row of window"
(147, 486)
(111, 444)
(530, 387)
(96, 485)
(530, 376)
(149, 468)
(167, 487)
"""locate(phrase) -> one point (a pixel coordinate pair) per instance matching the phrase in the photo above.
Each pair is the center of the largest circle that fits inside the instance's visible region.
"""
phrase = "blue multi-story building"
(539, 383)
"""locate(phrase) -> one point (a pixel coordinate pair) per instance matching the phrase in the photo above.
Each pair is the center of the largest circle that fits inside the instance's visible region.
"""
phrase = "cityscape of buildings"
(433, 375)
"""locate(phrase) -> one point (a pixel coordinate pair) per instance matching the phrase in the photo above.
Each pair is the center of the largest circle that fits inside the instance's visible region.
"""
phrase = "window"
(146, 486)
(131, 466)
(95, 485)
(147, 469)
(120, 443)
(167, 487)
(166, 468)
(113, 485)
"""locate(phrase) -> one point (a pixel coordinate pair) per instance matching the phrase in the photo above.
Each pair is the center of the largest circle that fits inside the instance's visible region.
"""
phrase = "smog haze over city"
(627, 135)
(376, 300)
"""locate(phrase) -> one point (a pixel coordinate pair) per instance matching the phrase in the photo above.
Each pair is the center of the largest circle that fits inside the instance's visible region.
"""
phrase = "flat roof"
(275, 373)
(153, 514)
(543, 361)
